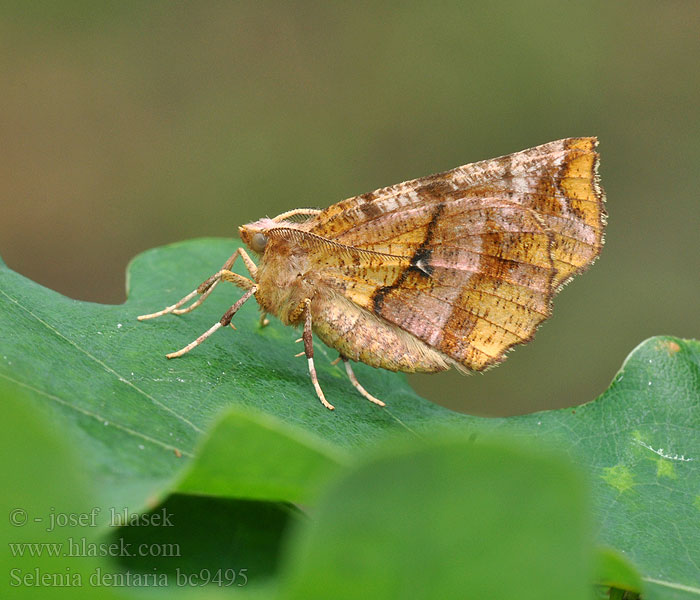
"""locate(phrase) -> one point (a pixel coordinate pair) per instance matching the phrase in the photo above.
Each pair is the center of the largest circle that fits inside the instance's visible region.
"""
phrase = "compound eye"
(258, 242)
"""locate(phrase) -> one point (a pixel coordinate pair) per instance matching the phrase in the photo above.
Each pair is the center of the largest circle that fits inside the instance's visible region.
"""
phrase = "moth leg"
(206, 287)
(264, 321)
(358, 387)
(236, 279)
(223, 322)
(297, 211)
(309, 351)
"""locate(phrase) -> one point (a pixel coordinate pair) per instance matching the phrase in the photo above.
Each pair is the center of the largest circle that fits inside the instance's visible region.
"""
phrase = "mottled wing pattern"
(445, 294)
(468, 260)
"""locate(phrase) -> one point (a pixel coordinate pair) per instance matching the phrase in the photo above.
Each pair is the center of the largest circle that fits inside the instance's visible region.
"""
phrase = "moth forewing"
(447, 270)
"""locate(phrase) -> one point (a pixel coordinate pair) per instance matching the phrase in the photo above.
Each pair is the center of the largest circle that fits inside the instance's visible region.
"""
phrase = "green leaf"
(138, 420)
(267, 461)
(196, 538)
(43, 484)
(640, 443)
(665, 590)
(448, 519)
(191, 539)
(614, 570)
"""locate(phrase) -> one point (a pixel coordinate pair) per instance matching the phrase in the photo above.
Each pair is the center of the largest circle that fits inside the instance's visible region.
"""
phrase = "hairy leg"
(297, 211)
(223, 322)
(358, 387)
(309, 351)
(207, 286)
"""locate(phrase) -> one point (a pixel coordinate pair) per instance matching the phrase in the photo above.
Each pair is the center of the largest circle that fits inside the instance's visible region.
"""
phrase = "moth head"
(254, 235)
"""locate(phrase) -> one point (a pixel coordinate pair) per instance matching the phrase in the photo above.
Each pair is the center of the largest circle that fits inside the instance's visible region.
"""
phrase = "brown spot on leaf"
(670, 347)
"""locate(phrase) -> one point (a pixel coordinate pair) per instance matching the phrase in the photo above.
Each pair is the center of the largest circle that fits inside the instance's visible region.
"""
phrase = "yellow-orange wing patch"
(468, 260)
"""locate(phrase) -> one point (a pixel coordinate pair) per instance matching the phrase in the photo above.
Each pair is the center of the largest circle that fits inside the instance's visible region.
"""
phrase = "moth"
(449, 270)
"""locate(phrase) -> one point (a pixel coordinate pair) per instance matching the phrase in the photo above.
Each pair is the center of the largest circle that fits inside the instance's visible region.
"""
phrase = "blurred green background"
(127, 125)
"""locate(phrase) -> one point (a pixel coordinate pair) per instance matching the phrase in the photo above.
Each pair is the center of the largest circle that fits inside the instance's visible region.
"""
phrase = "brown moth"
(449, 270)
